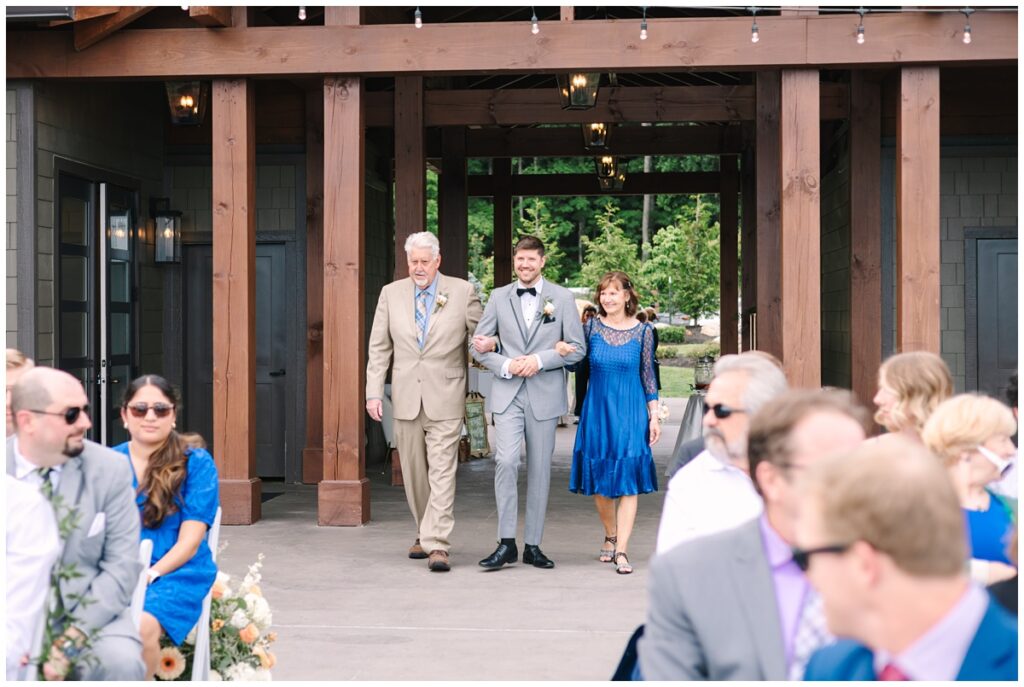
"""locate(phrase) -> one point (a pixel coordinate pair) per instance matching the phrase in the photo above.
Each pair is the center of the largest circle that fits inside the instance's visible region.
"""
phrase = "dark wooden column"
(234, 299)
(865, 234)
(800, 222)
(453, 204)
(502, 172)
(917, 211)
(410, 166)
(313, 452)
(729, 254)
(748, 230)
(769, 257)
(343, 497)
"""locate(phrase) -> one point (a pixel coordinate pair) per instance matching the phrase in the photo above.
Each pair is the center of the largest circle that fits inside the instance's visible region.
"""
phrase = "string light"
(418, 18)
(534, 24)
(967, 12)
(755, 35)
(860, 27)
(643, 26)
(302, 13)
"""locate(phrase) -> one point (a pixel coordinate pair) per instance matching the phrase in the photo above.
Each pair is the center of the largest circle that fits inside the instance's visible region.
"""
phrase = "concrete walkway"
(348, 604)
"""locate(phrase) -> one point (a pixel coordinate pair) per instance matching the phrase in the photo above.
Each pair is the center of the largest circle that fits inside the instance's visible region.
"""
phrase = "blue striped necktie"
(421, 315)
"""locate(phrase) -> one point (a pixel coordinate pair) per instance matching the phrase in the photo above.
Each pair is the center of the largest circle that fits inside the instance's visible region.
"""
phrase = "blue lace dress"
(612, 457)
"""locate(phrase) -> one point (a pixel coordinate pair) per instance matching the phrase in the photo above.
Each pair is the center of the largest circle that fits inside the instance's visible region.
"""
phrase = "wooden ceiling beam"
(717, 44)
(89, 33)
(660, 183)
(211, 16)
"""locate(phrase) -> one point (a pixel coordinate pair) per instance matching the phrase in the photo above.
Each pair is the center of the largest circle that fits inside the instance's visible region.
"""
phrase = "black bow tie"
(530, 290)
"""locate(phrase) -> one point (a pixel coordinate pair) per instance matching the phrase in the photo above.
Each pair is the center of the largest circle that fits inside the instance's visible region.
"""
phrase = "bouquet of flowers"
(239, 639)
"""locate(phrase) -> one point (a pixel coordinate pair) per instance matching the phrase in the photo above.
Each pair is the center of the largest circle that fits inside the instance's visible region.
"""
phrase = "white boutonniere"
(663, 411)
(439, 301)
(548, 310)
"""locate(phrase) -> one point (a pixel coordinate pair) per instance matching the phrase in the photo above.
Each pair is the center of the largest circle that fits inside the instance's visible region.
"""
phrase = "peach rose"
(267, 659)
(249, 634)
(217, 624)
(255, 589)
(271, 636)
(219, 589)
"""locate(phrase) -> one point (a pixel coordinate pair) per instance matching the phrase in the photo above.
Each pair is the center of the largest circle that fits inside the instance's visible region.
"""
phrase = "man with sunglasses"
(735, 605)
(713, 491)
(49, 451)
(881, 535)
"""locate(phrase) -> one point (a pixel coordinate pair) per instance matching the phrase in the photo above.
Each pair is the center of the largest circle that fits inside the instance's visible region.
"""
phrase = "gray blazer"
(99, 484)
(712, 613)
(503, 317)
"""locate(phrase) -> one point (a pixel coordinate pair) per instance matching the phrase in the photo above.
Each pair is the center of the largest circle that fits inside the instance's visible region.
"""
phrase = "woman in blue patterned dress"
(177, 495)
(612, 458)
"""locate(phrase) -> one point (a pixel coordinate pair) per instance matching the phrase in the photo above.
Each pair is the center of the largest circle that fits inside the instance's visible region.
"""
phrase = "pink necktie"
(891, 673)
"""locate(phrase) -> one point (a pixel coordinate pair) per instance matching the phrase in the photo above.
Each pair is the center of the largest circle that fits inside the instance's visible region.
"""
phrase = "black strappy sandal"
(622, 568)
(607, 555)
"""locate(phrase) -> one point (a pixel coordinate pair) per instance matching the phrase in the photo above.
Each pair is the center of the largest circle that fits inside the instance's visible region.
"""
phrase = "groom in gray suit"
(49, 451)
(527, 318)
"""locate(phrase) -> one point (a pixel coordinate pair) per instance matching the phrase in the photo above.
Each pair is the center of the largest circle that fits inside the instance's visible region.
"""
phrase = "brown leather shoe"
(438, 561)
(416, 551)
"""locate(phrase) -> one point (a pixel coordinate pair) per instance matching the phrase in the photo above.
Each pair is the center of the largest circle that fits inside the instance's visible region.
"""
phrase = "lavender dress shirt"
(790, 584)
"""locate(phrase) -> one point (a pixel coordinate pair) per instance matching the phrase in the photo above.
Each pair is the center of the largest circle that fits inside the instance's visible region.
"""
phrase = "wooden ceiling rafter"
(91, 32)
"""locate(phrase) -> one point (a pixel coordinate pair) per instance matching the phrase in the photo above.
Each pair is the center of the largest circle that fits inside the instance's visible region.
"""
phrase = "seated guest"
(713, 492)
(910, 386)
(32, 549)
(881, 536)
(734, 605)
(971, 435)
(177, 490)
(49, 451)
(17, 364)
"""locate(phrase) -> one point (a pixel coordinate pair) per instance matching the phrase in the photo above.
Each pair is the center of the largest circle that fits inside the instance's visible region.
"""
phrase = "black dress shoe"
(532, 555)
(505, 553)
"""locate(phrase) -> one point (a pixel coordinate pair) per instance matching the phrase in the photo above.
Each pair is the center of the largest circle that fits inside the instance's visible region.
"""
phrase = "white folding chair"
(139, 595)
(201, 657)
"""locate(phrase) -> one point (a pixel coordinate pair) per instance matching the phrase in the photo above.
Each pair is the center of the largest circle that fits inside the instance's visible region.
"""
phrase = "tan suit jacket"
(434, 376)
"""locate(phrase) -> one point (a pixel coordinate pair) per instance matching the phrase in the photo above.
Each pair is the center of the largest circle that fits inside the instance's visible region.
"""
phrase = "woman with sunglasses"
(910, 386)
(971, 435)
(177, 496)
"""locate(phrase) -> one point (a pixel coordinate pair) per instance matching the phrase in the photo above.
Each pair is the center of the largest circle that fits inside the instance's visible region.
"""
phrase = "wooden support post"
(234, 299)
(865, 235)
(410, 166)
(748, 230)
(567, 12)
(343, 497)
(800, 222)
(917, 211)
(729, 254)
(502, 240)
(769, 256)
(453, 212)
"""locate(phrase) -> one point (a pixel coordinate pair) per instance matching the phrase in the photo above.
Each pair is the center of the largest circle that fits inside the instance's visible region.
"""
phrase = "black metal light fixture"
(578, 90)
(187, 100)
(167, 236)
(608, 174)
(596, 135)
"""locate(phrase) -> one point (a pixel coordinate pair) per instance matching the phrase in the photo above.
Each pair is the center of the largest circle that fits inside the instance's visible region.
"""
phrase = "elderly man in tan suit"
(422, 328)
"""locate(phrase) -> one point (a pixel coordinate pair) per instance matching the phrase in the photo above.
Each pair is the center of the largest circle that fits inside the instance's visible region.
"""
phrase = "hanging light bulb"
(534, 24)
(967, 12)
(860, 27)
(184, 8)
(302, 13)
(755, 35)
(643, 26)
(419, 18)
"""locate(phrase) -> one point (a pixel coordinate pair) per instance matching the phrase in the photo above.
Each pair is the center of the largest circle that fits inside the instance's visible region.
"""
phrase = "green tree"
(610, 250)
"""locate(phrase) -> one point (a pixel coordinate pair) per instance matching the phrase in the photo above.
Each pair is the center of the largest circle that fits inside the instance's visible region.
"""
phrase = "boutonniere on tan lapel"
(548, 311)
(439, 301)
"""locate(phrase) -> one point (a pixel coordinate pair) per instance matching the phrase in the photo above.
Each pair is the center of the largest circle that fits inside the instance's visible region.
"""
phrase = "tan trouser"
(429, 451)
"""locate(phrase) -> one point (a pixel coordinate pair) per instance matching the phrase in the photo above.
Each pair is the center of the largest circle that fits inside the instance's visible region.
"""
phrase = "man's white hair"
(422, 239)
(765, 381)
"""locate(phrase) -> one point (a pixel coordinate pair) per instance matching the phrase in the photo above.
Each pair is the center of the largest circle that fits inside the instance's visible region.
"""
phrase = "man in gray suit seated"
(528, 396)
(734, 605)
(49, 450)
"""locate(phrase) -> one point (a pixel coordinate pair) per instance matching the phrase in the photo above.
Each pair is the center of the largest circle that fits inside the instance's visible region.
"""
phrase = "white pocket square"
(98, 523)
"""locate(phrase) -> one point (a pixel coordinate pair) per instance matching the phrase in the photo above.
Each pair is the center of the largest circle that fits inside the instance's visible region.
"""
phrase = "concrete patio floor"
(350, 605)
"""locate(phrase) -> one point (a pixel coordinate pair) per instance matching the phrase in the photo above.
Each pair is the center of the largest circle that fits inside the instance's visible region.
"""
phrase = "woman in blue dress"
(612, 458)
(177, 495)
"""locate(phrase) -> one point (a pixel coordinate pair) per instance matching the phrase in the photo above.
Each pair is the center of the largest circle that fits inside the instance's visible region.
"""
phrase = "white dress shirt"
(529, 304)
(32, 548)
(26, 471)
(704, 497)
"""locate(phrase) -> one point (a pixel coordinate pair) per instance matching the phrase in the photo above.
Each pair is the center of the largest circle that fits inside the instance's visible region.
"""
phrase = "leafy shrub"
(667, 352)
(673, 335)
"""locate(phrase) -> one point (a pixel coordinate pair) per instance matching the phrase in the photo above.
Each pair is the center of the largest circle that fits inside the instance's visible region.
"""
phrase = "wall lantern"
(608, 174)
(578, 90)
(596, 135)
(187, 100)
(168, 231)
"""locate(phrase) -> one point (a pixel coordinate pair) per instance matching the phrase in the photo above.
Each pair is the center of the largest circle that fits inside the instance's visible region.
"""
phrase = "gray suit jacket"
(99, 484)
(712, 613)
(503, 317)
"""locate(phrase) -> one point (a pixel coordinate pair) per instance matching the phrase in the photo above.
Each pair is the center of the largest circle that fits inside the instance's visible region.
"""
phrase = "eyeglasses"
(70, 415)
(142, 409)
(802, 557)
(722, 411)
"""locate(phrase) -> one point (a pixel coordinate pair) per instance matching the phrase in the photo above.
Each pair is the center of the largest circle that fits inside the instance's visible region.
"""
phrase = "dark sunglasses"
(70, 415)
(141, 409)
(802, 557)
(722, 411)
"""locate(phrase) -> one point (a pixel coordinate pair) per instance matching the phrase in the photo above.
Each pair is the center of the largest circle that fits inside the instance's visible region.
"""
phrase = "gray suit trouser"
(116, 654)
(511, 427)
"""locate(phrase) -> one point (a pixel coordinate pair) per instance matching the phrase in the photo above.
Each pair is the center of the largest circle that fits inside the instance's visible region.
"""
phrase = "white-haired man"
(421, 331)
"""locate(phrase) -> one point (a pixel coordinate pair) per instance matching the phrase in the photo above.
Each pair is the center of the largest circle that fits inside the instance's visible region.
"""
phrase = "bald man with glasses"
(49, 451)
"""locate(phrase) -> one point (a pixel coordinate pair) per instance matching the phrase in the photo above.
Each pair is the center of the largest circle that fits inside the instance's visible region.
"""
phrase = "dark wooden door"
(992, 327)
(274, 435)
